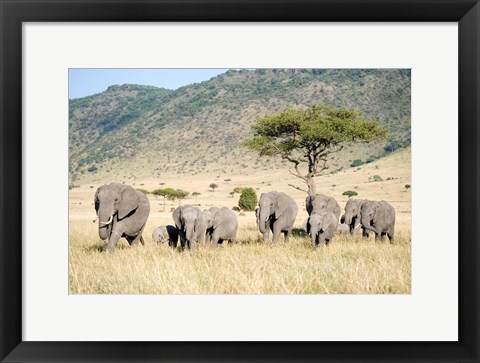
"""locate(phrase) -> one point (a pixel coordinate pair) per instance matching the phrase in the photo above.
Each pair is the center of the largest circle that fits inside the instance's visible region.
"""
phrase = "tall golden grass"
(349, 265)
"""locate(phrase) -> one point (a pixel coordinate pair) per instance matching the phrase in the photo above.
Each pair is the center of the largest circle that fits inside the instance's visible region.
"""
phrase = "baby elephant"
(164, 234)
(343, 229)
(321, 226)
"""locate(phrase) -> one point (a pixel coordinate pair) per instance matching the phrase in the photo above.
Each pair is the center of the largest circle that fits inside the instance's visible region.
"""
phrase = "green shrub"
(407, 186)
(92, 169)
(377, 178)
(356, 163)
(143, 191)
(235, 208)
(248, 199)
(350, 193)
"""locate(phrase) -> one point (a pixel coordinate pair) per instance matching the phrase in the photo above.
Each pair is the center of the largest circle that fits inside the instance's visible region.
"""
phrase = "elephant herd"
(123, 212)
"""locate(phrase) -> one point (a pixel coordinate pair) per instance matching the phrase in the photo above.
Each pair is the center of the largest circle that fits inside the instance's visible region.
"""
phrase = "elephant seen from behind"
(353, 216)
(224, 226)
(277, 212)
(379, 217)
(164, 234)
(122, 212)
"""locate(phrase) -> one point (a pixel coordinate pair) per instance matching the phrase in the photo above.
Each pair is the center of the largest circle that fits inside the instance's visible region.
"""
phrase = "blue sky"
(85, 82)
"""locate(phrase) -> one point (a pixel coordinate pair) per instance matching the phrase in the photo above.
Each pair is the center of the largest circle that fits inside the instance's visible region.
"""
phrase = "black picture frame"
(13, 13)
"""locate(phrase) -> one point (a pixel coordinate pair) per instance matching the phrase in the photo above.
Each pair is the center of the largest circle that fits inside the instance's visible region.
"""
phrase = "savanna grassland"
(349, 265)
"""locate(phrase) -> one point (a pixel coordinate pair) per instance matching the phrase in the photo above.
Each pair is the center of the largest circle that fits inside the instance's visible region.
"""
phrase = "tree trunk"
(312, 190)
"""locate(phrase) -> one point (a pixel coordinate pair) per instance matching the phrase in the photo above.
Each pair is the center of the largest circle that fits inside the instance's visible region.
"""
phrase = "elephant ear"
(306, 225)
(257, 215)
(130, 201)
(217, 219)
(97, 201)
(282, 205)
(176, 217)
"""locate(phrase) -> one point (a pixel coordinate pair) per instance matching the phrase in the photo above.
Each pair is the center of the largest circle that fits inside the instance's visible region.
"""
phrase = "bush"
(370, 159)
(236, 209)
(407, 186)
(248, 199)
(356, 163)
(350, 193)
(377, 178)
(92, 169)
(143, 191)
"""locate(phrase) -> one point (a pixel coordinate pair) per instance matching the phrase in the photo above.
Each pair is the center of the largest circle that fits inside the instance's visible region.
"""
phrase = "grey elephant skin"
(208, 217)
(122, 212)
(322, 202)
(224, 226)
(379, 217)
(277, 212)
(191, 225)
(343, 229)
(321, 226)
(164, 234)
(353, 215)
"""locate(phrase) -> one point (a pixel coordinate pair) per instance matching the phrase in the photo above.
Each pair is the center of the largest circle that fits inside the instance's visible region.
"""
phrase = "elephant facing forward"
(353, 214)
(191, 225)
(277, 212)
(122, 212)
(322, 202)
(321, 226)
(379, 217)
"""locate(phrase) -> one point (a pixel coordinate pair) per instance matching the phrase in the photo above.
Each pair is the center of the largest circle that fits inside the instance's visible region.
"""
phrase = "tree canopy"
(310, 135)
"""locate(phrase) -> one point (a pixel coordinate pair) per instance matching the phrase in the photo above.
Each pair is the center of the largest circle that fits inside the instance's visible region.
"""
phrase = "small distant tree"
(213, 186)
(248, 199)
(227, 180)
(350, 193)
(181, 195)
(376, 178)
(407, 186)
(166, 193)
(309, 137)
(195, 195)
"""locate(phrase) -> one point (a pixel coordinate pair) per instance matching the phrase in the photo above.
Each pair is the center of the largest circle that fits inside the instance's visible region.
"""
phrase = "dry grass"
(348, 266)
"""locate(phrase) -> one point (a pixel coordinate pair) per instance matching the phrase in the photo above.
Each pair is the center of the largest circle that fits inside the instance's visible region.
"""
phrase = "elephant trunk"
(348, 219)
(366, 224)
(314, 235)
(262, 219)
(190, 233)
(105, 220)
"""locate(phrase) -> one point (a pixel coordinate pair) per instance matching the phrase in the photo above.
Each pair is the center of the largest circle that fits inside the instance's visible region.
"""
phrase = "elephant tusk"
(358, 225)
(109, 220)
(266, 219)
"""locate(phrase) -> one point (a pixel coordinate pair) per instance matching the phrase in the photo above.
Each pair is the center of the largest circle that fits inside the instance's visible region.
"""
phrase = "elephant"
(343, 229)
(122, 212)
(191, 225)
(378, 217)
(224, 226)
(277, 212)
(322, 202)
(208, 216)
(352, 216)
(321, 226)
(164, 234)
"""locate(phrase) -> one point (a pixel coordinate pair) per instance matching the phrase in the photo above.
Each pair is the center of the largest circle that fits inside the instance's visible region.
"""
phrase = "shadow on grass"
(299, 232)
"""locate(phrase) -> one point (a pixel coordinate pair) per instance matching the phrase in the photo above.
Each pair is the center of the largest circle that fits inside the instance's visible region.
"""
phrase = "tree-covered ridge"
(207, 121)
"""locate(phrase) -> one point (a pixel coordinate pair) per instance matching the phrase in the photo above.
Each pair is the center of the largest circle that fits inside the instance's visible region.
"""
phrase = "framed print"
(189, 131)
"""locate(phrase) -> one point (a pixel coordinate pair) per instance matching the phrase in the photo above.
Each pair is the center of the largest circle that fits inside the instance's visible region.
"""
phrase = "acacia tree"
(308, 137)
(166, 193)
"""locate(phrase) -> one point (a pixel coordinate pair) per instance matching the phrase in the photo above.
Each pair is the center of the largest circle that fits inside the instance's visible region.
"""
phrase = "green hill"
(133, 131)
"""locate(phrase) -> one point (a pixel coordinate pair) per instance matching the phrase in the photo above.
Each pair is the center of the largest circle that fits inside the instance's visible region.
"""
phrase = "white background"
(429, 313)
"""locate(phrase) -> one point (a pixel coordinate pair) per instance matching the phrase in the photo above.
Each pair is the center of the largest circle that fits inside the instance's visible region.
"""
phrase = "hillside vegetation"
(132, 132)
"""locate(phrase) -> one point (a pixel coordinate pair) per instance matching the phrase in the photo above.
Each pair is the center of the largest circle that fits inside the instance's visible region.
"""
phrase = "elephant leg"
(112, 241)
(287, 235)
(233, 240)
(391, 238)
(277, 229)
(266, 236)
(137, 240)
(365, 233)
(377, 237)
